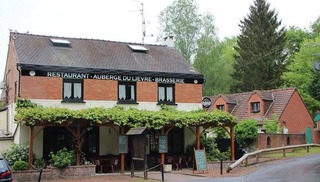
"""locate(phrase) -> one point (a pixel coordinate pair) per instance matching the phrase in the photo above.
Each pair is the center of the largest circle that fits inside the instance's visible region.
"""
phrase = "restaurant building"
(78, 73)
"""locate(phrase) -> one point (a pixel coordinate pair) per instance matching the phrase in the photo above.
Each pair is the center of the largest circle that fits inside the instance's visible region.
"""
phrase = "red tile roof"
(279, 99)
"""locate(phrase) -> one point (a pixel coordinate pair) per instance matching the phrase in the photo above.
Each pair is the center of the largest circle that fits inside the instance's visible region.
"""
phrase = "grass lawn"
(293, 153)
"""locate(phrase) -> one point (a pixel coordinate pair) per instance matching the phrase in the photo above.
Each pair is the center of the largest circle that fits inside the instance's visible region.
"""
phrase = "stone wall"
(54, 173)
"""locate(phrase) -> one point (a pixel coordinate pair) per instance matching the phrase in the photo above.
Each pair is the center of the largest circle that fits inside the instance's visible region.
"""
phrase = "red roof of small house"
(279, 99)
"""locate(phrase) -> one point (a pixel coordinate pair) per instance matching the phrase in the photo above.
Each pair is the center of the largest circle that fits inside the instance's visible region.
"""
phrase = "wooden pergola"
(75, 129)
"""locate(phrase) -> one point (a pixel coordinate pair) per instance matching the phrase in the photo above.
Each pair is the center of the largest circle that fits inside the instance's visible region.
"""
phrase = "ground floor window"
(57, 138)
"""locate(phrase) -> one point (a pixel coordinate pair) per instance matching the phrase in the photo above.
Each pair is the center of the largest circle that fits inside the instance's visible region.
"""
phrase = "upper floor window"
(220, 107)
(165, 94)
(255, 107)
(72, 90)
(126, 92)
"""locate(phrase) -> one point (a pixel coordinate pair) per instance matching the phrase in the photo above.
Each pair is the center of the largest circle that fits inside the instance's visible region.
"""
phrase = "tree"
(211, 61)
(182, 21)
(246, 132)
(315, 27)
(260, 58)
(272, 126)
(295, 37)
(301, 74)
(314, 87)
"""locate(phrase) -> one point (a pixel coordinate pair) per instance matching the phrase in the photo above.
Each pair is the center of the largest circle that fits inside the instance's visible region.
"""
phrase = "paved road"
(304, 169)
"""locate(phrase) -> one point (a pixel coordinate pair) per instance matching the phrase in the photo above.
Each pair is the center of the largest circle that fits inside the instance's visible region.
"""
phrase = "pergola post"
(232, 142)
(78, 145)
(162, 154)
(198, 137)
(122, 155)
(31, 146)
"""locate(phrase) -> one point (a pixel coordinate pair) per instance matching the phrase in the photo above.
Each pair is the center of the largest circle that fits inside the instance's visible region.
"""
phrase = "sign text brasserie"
(114, 77)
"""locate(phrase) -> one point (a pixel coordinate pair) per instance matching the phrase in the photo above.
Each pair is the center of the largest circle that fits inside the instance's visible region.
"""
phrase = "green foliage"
(39, 163)
(182, 21)
(62, 158)
(272, 126)
(219, 133)
(20, 165)
(295, 37)
(17, 153)
(314, 87)
(212, 152)
(260, 58)
(25, 103)
(246, 132)
(300, 73)
(131, 117)
(315, 26)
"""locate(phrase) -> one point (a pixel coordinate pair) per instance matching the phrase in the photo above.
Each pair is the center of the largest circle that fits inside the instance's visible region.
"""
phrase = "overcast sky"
(120, 20)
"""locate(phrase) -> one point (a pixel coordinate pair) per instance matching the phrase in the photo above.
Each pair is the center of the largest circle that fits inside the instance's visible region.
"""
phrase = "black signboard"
(200, 160)
(123, 144)
(163, 144)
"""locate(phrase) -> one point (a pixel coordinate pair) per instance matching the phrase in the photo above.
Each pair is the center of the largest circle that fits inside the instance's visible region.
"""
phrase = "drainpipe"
(19, 70)
(6, 102)
(7, 119)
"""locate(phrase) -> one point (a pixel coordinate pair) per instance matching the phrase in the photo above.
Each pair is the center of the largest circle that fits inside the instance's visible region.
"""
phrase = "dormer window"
(220, 107)
(255, 107)
(60, 43)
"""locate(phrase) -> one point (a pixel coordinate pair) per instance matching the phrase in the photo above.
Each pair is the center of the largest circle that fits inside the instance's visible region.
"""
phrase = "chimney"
(168, 41)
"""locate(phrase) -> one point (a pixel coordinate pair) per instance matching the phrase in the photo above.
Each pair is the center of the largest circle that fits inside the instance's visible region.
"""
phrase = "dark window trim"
(221, 107)
(135, 93)
(72, 100)
(257, 110)
(173, 102)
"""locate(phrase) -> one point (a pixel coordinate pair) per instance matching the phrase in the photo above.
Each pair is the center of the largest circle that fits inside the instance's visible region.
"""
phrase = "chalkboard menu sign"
(123, 144)
(163, 144)
(200, 160)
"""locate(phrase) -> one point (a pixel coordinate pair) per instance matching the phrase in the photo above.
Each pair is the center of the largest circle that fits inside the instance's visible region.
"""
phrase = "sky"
(120, 20)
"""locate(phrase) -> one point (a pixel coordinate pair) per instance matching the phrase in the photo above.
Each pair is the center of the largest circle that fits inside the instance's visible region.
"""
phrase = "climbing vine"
(32, 114)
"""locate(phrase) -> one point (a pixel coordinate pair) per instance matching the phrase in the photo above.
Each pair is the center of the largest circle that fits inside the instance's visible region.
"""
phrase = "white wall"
(189, 137)
(3, 120)
(5, 144)
(108, 104)
(108, 141)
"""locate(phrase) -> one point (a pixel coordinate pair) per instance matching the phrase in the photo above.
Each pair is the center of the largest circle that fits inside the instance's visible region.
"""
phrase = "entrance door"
(308, 135)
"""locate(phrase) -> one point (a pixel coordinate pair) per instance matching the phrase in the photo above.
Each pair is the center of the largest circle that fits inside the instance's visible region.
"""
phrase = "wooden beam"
(122, 155)
(232, 143)
(198, 137)
(31, 146)
(78, 137)
(162, 154)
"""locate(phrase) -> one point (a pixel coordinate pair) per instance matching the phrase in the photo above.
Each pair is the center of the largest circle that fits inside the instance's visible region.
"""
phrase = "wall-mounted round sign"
(206, 102)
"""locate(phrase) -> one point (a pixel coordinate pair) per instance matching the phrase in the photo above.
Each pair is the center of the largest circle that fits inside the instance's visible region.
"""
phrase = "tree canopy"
(182, 21)
(301, 74)
(260, 59)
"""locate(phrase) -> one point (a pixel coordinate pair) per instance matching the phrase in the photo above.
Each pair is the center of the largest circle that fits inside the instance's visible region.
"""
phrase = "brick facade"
(296, 116)
(278, 140)
(51, 88)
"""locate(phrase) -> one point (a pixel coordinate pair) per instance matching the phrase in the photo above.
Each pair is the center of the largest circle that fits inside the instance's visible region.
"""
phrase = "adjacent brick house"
(284, 104)
(80, 73)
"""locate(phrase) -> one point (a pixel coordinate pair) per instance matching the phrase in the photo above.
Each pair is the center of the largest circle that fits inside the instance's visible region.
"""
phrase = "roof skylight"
(138, 48)
(60, 43)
